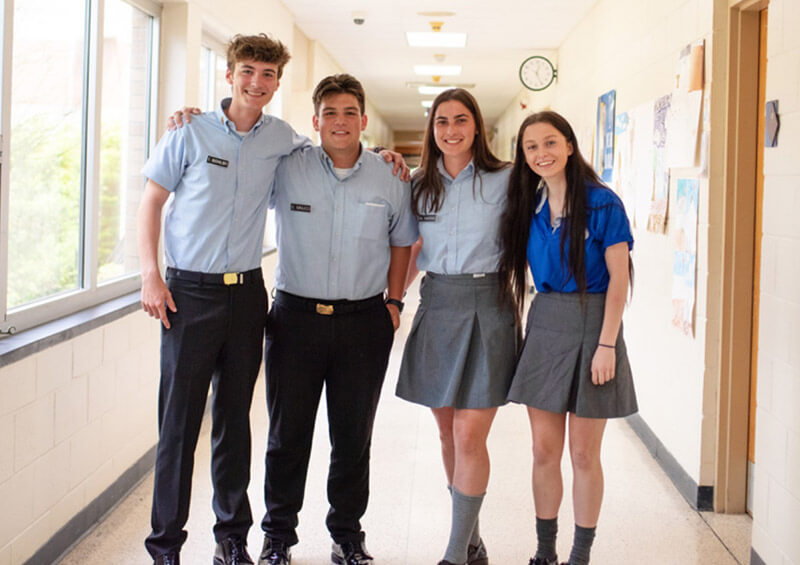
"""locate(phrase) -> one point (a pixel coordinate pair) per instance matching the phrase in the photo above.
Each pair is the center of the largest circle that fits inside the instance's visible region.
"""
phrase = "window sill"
(18, 346)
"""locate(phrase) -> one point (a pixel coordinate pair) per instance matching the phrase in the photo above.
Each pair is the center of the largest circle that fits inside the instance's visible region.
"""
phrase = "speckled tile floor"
(644, 519)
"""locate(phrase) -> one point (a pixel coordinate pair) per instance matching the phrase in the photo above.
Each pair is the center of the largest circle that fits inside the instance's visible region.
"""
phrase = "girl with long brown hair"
(461, 350)
(572, 231)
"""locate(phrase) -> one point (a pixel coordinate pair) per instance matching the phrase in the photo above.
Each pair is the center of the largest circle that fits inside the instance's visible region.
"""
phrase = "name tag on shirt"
(300, 207)
(217, 161)
(426, 217)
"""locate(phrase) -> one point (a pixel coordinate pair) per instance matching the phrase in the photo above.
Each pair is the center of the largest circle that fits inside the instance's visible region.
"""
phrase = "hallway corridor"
(644, 519)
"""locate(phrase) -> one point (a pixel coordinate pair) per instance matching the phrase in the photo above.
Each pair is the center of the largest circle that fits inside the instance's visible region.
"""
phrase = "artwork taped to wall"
(604, 155)
(683, 117)
(624, 181)
(684, 265)
(657, 218)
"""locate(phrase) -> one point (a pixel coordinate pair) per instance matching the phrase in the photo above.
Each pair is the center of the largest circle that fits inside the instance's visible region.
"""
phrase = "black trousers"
(216, 337)
(348, 353)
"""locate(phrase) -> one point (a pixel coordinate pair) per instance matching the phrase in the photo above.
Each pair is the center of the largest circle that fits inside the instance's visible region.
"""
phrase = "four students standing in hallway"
(465, 400)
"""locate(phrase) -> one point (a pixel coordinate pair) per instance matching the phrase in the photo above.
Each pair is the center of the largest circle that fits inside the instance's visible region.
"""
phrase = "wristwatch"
(395, 302)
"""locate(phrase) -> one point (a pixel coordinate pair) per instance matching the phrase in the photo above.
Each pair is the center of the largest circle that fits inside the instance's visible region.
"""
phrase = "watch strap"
(395, 302)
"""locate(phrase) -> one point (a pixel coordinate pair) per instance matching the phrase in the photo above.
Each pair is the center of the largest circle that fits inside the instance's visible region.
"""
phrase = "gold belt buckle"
(325, 309)
(230, 278)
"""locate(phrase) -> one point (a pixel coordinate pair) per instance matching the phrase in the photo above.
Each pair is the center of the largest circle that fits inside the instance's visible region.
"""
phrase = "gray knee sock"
(581, 545)
(475, 538)
(465, 515)
(546, 531)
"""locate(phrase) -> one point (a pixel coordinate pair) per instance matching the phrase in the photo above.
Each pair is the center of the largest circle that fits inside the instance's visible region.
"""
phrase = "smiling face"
(340, 123)
(454, 129)
(546, 150)
(253, 84)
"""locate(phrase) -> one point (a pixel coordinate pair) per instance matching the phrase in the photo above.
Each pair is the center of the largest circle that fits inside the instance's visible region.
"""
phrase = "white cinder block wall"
(73, 418)
(776, 513)
(633, 47)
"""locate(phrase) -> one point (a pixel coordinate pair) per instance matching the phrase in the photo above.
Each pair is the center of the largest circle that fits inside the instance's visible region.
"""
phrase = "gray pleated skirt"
(462, 347)
(555, 368)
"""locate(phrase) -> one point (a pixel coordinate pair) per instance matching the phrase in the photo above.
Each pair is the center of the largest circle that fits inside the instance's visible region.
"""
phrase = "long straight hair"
(427, 193)
(521, 203)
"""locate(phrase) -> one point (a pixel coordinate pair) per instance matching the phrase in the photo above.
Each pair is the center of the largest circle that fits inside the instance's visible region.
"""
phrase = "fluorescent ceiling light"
(433, 90)
(427, 103)
(437, 70)
(437, 39)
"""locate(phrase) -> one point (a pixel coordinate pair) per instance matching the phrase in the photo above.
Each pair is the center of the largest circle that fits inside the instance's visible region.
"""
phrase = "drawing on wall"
(683, 117)
(604, 136)
(657, 218)
(624, 182)
(685, 255)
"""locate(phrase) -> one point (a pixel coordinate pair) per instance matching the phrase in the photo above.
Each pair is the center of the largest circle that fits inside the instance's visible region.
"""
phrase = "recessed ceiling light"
(431, 39)
(437, 70)
(427, 103)
(433, 90)
(418, 83)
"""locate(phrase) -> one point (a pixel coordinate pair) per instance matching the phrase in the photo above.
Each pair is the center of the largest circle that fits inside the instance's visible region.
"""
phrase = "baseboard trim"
(698, 497)
(85, 520)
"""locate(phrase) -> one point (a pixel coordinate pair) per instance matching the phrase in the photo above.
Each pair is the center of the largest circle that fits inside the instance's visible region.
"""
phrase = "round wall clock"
(537, 73)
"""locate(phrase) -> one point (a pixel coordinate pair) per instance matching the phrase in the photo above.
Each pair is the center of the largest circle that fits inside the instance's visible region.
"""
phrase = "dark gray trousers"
(348, 354)
(216, 338)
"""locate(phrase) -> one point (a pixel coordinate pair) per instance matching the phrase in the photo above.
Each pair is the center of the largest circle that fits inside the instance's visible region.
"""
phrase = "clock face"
(537, 73)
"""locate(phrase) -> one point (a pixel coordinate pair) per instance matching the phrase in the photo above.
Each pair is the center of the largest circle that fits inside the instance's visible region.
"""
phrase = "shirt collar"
(541, 194)
(227, 122)
(329, 162)
(468, 170)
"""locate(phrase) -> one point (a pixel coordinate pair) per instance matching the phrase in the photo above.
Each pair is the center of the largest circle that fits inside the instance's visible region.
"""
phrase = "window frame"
(211, 45)
(90, 292)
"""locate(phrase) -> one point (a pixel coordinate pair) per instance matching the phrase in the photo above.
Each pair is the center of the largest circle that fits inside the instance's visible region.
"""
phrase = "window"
(213, 64)
(75, 135)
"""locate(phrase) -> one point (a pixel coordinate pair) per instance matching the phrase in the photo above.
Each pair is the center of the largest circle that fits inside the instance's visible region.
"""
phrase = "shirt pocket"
(373, 220)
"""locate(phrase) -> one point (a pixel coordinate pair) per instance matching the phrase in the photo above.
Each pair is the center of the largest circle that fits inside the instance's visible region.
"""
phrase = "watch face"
(536, 73)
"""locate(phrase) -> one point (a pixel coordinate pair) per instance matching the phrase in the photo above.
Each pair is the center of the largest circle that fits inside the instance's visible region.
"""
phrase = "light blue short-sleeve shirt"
(220, 183)
(333, 233)
(463, 235)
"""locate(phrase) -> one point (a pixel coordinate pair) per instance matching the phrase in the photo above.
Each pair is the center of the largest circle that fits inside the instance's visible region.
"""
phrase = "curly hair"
(260, 48)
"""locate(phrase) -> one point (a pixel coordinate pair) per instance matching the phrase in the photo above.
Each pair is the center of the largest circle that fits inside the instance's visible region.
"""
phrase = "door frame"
(738, 201)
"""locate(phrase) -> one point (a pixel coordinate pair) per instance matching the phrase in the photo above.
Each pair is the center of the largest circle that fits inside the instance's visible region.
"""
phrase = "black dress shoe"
(543, 561)
(274, 552)
(477, 555)
(350, 553)
(171, 558)
(232, 551)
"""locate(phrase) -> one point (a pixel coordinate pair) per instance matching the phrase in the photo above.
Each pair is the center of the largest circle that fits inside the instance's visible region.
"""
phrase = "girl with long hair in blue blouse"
(572, 231)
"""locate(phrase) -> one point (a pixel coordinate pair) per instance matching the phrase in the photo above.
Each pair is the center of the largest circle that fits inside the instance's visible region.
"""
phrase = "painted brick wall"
(72, 419)
(776, 501)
